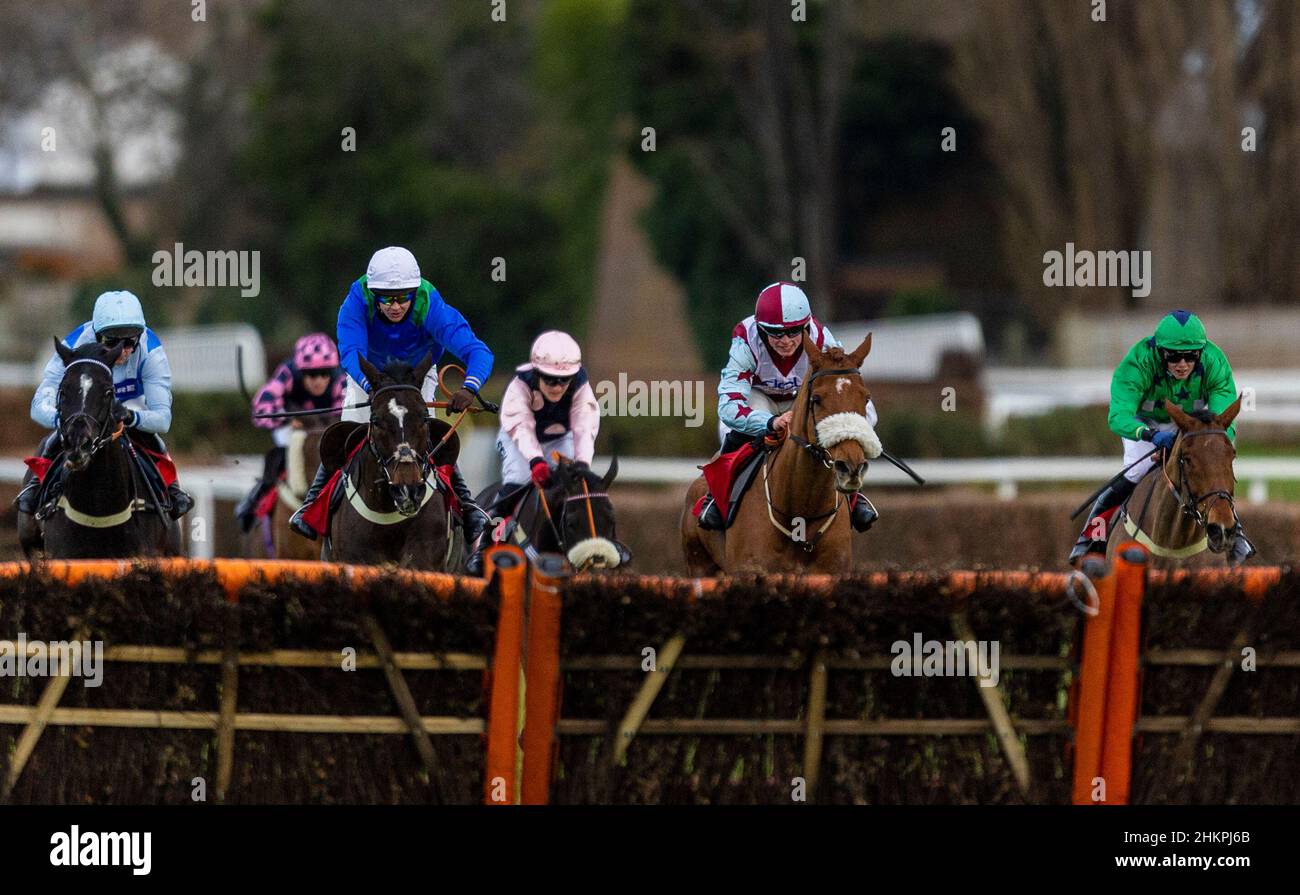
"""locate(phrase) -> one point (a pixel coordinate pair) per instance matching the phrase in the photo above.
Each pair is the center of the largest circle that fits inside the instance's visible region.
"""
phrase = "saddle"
(729, 477)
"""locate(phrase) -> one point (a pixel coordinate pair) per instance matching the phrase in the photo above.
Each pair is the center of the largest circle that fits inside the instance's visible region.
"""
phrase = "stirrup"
(710, 518)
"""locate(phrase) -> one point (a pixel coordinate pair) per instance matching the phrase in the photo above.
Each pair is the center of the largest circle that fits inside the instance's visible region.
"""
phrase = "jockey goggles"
(556, 380)
(784, 333)
(395, 299)
(1174, 357)
(108, 341)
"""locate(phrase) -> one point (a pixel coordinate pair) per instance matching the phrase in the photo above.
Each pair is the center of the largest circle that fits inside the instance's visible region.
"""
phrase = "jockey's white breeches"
(1135, 449)
(760, 401)
(514, 465)
(355, 394)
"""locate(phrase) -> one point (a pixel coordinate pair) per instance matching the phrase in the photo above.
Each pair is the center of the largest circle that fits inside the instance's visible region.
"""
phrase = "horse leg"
(30, 537)
(701, 561)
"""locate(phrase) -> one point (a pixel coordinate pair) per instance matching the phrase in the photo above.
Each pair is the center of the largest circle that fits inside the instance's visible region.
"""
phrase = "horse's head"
(399, 429)
(583, 515)
(85, 400)
(831, 410)
(1200, 465)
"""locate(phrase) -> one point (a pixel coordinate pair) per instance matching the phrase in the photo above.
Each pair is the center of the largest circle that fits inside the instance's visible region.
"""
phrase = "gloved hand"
(461, 399)
(123, 414)
(541, 472)
(1164, 440)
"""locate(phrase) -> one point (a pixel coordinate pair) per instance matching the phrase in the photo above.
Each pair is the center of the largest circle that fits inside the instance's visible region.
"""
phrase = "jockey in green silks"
(1178, 364)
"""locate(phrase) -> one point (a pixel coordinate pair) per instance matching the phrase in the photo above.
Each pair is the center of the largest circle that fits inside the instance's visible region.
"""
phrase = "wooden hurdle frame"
(524, 721)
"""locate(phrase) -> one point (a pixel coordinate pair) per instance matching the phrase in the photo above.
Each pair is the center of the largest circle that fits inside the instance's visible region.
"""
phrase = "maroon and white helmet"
(315, 351)
(782, 306)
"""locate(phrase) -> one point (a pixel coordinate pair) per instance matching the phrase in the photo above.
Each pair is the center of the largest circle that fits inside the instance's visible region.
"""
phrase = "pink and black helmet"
(782, 306)
(315, 351)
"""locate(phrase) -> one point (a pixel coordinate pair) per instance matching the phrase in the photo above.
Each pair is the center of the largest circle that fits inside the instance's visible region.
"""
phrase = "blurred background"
(1172, 127)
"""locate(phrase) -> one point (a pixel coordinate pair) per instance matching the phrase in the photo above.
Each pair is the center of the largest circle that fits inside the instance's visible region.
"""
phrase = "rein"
(587, 496)
(1190, 502)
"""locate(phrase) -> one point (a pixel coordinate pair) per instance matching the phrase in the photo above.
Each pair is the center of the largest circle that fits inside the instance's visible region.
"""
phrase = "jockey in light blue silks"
(394, 314)
(142, 383)
(765, 369)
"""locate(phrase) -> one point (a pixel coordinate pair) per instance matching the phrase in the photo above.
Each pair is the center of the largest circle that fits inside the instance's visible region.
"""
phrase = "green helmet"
(1181, 331)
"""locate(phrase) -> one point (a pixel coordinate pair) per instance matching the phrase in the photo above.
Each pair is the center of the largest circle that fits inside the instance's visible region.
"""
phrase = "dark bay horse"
(572, 515)
(795, 516)
(393, 511)
(107, 509)
(1186, 507)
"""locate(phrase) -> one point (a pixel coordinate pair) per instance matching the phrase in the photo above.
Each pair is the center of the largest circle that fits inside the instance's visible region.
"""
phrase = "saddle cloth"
(729, 477)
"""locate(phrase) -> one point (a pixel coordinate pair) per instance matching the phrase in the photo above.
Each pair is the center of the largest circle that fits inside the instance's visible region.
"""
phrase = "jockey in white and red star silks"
(757, 383)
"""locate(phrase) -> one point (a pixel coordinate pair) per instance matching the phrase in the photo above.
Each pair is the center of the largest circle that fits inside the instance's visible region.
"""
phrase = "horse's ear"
(422, 368)
(373, 373)
(1185, 423)
(858, 356)
(1224, 419)
(810, 348)
(610, 473)
(66, 354)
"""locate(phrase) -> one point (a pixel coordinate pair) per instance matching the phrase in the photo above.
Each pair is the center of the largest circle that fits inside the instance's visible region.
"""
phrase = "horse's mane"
(92, 350)
(566, 474)
(1204, 415)
(400, 372)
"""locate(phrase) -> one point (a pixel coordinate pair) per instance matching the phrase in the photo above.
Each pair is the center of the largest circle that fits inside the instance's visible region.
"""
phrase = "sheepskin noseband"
(844, 426)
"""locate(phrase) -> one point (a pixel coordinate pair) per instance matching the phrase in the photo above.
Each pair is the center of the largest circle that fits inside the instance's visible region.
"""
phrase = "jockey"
(394, 314)
(310, 380)
(142, 384)
(1178, 364)
(548, 406)
(764, 372)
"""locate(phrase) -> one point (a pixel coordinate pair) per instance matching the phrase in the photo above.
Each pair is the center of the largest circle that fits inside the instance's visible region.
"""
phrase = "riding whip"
(901, 465)
(1112, 480)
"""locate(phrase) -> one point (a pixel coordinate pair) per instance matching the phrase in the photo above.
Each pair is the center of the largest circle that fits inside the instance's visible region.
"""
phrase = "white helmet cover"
(392, 268)
(117, 310)
(556, 353)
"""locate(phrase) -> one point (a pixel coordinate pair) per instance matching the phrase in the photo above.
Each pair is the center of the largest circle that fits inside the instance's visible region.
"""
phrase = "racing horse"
(302, 455)
(394, 507)
(108, 507)
(796, 519)
(572, 515)
(1184, 506)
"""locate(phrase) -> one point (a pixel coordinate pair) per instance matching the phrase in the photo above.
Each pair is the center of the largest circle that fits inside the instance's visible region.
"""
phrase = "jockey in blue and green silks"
(1179, 364)
(394, 314)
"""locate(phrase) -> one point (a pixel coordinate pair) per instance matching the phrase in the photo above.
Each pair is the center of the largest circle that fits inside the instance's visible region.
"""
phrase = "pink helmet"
(556, 354)
(782, 306)
(315, 351)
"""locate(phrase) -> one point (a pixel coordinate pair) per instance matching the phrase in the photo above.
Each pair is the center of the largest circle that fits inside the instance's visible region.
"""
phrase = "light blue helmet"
(119, 310)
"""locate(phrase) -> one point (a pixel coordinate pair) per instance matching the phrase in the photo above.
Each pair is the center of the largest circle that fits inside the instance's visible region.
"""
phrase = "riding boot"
(181, 500)
(25, 502)
(710, 518)
(1112, 496)
(246, 511)
(862, 514)
(296, 521)
(473, 521)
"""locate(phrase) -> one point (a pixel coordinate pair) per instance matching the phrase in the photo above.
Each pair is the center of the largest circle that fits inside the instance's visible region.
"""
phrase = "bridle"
(102, 435)
(1190, 502)
(820, 455)
(814, 449)
(587, 496)
(385, 463)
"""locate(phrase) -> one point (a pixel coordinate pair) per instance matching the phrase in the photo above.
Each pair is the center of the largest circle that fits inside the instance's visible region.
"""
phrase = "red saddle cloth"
(317, 514)
(164, 464)
(720, 474)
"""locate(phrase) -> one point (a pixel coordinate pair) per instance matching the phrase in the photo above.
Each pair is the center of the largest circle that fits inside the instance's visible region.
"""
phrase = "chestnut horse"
(1186, 507)
(302, 456)
(795, 516)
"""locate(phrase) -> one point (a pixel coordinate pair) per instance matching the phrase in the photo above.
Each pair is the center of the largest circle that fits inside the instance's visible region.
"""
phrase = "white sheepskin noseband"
(597, 553)
(844, 426)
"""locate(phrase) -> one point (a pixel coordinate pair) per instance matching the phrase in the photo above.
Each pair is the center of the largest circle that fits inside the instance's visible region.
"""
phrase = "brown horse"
(302, 455)
(796, 519)
(1187, 506)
